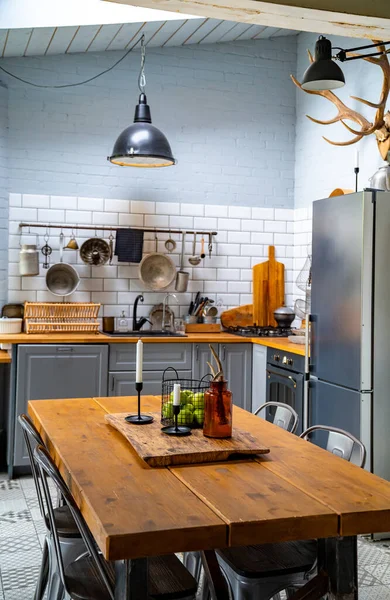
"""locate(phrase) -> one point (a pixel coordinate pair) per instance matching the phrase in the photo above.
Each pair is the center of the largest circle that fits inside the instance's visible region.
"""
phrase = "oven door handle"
(282, 375)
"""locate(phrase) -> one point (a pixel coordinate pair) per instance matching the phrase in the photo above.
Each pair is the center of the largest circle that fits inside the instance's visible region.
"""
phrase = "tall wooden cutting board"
(268, 289)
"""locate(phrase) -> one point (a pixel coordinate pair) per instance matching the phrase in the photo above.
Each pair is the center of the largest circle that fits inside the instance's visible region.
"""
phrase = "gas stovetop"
(254, 331)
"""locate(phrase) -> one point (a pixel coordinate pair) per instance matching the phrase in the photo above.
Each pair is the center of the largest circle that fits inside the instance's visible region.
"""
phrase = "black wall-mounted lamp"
(324, 73)
(142, 144)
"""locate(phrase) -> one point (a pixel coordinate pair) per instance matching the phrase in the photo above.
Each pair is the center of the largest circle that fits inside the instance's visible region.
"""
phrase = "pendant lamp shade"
(323, 73)
(142, 144)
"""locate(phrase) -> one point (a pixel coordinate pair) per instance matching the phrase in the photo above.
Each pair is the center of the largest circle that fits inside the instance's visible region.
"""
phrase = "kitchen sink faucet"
(138, 323)
(165, 303)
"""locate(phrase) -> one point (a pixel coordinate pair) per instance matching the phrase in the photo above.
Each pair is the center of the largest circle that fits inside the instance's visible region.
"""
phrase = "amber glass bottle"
(218, 411)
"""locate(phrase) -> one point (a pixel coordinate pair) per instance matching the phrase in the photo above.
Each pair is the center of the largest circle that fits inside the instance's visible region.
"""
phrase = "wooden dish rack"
(61, 317)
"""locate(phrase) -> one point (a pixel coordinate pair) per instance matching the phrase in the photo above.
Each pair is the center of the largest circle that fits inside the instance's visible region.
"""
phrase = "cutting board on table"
(160, 450)
(268, 289)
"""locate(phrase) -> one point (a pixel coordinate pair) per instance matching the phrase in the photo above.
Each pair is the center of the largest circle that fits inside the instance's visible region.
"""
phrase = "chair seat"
(65, 523)
(269, 560)
(168, 579)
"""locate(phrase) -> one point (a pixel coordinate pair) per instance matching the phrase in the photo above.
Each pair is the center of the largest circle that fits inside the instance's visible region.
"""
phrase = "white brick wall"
(227, 109)
(226, 276)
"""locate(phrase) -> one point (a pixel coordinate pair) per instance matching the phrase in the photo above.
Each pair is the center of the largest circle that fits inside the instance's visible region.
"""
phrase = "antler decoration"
(381, 124)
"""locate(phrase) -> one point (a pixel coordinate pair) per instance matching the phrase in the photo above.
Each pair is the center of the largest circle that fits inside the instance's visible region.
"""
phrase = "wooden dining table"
(296, 492)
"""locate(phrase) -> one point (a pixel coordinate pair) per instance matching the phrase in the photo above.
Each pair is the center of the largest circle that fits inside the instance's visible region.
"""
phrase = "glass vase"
(218, 411)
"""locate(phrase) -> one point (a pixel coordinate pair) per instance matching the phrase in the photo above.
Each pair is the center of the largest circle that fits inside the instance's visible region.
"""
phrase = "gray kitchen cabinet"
(123, 384)
(56, 371)
(237, 365)
(259, 376)
(156, 356)
(201, 354)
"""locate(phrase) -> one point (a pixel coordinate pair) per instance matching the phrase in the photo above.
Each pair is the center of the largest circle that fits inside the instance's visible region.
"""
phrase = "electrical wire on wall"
(68, 85)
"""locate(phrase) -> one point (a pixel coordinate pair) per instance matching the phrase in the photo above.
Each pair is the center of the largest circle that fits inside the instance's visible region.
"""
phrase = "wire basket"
(61, 317)
(191, 399)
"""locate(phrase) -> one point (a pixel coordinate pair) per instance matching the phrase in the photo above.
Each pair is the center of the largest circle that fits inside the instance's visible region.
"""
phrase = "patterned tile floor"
(22, 533)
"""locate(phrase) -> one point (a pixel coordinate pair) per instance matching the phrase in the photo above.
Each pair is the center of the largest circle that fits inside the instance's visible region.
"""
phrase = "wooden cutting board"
(268, 289)
(160, 450)
(242, 316)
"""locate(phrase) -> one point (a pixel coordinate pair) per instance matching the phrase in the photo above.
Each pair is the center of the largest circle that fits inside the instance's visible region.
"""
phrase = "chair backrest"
(340, 442)
(32, 439)
(285, 416)
(47, 468)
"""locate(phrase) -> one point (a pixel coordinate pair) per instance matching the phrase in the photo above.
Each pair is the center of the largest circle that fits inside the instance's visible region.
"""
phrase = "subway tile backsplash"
(244, 234)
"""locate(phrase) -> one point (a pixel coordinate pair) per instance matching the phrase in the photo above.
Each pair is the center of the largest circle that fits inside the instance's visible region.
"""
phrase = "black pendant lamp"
(142, 144)
(323, 73)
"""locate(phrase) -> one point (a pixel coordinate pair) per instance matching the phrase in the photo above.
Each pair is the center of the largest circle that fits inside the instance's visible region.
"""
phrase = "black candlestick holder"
(176, 429)
(139, 419)
(356, 171)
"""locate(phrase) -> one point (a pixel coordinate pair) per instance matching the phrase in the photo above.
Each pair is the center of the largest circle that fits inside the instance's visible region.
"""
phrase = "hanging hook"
(142, 77)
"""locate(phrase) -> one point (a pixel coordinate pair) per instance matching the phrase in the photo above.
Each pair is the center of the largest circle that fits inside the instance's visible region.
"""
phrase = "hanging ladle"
(194, 260)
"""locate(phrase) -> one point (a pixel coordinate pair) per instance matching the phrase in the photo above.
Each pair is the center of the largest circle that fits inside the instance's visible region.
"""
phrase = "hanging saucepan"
(156, 270)
(95, 251)
(62, 279)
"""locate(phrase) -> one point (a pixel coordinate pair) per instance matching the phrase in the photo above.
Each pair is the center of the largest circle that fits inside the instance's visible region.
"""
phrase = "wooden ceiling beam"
(358, 18)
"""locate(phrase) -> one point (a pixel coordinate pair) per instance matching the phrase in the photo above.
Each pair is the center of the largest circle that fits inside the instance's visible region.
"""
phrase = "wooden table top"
(298, 491)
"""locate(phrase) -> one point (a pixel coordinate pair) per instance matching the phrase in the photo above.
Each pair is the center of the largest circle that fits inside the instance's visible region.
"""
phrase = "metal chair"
(341, 443)
(91, 577)
(260, 572)
(70, 538)
(285, 416)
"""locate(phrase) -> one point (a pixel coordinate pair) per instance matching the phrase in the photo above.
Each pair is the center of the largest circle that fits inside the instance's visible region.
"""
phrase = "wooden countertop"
(4, 357)
(193, 338)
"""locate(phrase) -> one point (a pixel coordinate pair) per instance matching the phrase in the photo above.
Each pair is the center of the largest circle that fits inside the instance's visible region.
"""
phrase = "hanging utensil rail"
(115, 228)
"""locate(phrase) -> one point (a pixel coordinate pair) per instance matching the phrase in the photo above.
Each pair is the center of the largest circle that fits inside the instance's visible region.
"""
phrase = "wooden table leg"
(216, 580)
(338, 558)
(131, 579)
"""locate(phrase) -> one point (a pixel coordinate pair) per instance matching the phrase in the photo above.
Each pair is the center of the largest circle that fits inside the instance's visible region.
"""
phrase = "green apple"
(190, 407)
(185, 417)
(198, 416)
(167, 410)
(186, 396)
(199, 400)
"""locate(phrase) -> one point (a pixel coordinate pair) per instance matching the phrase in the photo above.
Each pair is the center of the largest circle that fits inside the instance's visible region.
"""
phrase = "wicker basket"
(61, 317)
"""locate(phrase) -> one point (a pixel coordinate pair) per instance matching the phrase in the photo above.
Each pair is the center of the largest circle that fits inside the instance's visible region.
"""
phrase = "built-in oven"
(285, 382)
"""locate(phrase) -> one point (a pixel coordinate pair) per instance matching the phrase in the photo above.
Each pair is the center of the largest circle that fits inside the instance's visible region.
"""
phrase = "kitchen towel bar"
(115, 228)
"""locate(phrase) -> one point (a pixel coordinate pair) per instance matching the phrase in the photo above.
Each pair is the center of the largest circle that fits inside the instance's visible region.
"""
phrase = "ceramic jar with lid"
(28, 260)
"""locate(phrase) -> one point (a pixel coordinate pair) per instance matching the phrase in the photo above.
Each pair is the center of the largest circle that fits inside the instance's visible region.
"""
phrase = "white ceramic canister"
(28, 260)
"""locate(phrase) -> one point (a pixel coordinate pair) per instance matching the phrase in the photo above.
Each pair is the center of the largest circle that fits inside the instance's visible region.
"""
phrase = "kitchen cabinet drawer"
(237, 365)
(156, 357)
(123, 384)
(56, 371)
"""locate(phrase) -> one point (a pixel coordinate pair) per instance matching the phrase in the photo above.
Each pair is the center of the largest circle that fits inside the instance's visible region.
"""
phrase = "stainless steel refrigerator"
(350, 345)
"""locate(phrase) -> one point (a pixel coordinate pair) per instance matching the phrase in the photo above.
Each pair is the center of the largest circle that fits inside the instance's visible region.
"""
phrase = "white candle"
(176, 394)
(140, 355)
(357, 159)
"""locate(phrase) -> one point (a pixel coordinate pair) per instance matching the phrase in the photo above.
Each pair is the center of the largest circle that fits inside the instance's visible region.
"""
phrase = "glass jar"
(218, 411)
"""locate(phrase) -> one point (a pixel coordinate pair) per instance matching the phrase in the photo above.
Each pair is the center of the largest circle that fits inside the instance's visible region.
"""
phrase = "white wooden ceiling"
(97, 38)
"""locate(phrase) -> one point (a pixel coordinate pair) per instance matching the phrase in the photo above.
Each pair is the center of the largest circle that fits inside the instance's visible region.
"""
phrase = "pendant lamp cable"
(142, 76)
(68, 85)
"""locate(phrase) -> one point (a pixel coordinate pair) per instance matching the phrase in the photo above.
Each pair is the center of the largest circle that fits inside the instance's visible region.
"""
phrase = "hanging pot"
(28, 260)
(156, 270)
(62, 279)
